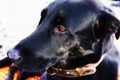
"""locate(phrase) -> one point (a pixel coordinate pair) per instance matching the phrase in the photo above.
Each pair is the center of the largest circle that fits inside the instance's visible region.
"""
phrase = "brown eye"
(61, 28)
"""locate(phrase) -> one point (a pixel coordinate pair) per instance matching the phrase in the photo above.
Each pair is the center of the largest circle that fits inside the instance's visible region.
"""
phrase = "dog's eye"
(60, 29)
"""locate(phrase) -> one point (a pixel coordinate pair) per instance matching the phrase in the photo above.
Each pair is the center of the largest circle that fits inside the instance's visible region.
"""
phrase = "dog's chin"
(34, 66)
(33, 69)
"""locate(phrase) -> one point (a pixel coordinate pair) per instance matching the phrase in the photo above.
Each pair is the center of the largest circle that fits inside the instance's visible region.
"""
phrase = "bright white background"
(18, 18)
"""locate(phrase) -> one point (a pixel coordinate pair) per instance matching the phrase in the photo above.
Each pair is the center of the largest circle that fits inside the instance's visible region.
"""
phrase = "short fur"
(86, 26)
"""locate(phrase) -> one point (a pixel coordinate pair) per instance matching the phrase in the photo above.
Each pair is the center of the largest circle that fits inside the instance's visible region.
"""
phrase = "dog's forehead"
(57, 4)
(73, 8)
(75, 11)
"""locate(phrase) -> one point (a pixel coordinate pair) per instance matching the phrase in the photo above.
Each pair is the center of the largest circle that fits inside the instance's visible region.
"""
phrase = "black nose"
(14, 54)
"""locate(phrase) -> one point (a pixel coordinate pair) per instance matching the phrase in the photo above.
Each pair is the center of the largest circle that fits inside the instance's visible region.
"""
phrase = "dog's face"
(68, 29)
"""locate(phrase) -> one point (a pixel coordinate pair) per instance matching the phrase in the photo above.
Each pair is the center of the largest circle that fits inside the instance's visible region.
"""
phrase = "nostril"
(14, 54)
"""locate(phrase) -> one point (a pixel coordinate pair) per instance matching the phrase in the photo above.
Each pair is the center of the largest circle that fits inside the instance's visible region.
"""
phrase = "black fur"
(85, 36)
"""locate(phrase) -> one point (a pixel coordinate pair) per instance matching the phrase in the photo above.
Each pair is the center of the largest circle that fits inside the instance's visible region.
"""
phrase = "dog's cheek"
(62, 45)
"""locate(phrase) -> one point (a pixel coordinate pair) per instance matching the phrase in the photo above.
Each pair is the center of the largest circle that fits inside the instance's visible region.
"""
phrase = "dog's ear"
(106, 24)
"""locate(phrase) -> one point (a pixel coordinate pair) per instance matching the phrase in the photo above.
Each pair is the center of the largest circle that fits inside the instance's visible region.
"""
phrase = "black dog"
(70, 42)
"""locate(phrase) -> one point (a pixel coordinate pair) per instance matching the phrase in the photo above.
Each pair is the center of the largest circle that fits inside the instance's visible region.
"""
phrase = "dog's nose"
(14, 54)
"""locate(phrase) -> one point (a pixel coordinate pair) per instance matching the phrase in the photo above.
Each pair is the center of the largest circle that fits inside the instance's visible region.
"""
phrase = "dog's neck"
(85, 70)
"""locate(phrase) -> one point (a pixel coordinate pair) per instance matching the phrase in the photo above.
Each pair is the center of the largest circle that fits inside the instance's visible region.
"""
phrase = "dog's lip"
(17, 61)
(43, 64)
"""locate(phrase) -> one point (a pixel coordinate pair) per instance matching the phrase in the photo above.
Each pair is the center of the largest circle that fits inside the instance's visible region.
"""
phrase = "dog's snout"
(14, 54)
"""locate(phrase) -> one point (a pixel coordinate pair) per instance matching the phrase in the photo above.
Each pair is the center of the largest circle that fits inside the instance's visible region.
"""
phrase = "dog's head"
(69, 31)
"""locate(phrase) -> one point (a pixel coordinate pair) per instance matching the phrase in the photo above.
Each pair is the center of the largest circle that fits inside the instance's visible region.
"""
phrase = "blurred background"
(19, 18)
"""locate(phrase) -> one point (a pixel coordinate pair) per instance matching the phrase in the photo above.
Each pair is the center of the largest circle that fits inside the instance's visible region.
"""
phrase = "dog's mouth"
(36, 65)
